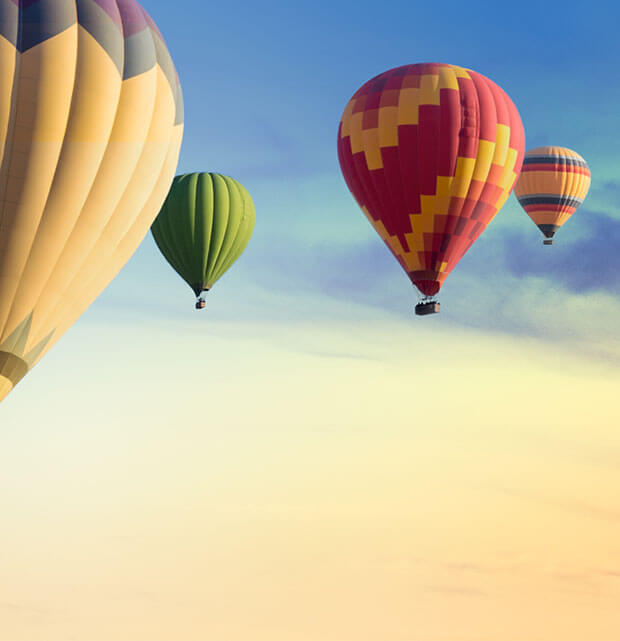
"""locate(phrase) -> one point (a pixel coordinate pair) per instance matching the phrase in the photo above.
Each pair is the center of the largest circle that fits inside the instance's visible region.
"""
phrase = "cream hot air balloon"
(91, 121)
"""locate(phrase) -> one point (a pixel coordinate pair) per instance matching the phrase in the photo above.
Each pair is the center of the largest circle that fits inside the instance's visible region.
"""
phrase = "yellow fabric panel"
(502, 144)
(392, 241)
(408, 103)
(502, 201)
(526, 184)
(562, 218)
(576, 188)
(566, 182)
(95, 98)
(463, 176)
(584, 186)
(90, 289)
(429, 89)
(444, 194)
(132, 217)
(420, 224)
(411, 258)
(484, 158)
(448, 78)
(388, 126)
(8, 56)
(424, 222)
(44, 84)
(5, 387)
(542, 182)
(8, 103)
(508, 175)
(346, 120)
(372, 150)
(427, 205)
(395, 245)
(460, 72)
(578, 183)
(357, 142)
(126, 144)
(412, 261)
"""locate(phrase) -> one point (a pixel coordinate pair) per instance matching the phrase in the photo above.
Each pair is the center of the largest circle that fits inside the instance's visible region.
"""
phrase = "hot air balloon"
(431, 153)
(91, 121)
(203, 227)
(554, 181)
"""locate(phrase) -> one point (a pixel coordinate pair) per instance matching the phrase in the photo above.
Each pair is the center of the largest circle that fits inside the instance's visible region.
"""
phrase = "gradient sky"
(306, 460)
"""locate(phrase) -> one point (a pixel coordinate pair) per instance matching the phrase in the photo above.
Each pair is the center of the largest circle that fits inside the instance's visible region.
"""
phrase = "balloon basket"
(548, 241)
(424, 309)
(201, 304)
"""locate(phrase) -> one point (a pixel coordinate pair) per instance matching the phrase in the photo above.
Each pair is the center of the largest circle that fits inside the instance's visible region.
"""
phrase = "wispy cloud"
(589, 261)
(614, 574)
(23, 611)
(571, 505)
(456, 590)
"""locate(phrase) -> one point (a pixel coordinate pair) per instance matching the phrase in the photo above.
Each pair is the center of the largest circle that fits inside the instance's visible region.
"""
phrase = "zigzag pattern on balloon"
(431, 153)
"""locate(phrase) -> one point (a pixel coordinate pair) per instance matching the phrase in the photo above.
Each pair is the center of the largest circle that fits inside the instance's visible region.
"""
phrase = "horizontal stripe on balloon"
(549, 199)
(557, 167)
(560, 160)
(560, 209)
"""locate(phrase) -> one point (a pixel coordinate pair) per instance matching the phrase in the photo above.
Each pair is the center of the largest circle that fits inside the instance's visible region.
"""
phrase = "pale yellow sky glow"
(311, 484)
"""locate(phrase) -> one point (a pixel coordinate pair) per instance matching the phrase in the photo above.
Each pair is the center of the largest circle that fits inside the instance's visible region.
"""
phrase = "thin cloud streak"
(456, 591)
(568, 505)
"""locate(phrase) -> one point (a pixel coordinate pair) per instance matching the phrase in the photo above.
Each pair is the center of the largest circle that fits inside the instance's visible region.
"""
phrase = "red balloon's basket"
(424, 309)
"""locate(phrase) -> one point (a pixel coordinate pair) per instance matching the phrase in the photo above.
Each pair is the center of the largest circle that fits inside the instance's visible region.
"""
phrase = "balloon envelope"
(554, 181)
(91, 121)
(431, 153)
(204, 226)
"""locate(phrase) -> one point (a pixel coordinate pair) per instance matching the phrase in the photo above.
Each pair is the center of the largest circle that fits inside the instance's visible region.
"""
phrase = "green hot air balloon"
(203, 227)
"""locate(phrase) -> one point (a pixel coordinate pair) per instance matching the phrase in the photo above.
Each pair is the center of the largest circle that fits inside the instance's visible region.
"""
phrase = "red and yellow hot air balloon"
(431, 153)
(554, 181)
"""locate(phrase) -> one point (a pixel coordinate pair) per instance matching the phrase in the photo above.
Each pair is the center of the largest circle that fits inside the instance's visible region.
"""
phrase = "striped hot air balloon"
(554, 181)
(91, 121)
(431, 153)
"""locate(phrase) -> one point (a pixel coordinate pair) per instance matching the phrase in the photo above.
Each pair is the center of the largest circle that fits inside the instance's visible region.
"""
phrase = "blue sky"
(264, 87)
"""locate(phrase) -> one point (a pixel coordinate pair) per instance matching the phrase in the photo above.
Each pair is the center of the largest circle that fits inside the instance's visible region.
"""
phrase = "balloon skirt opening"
(424, 309)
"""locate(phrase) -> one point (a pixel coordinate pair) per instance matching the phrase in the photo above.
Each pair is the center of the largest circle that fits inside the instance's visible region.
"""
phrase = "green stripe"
(205, 199)
(221, 209)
